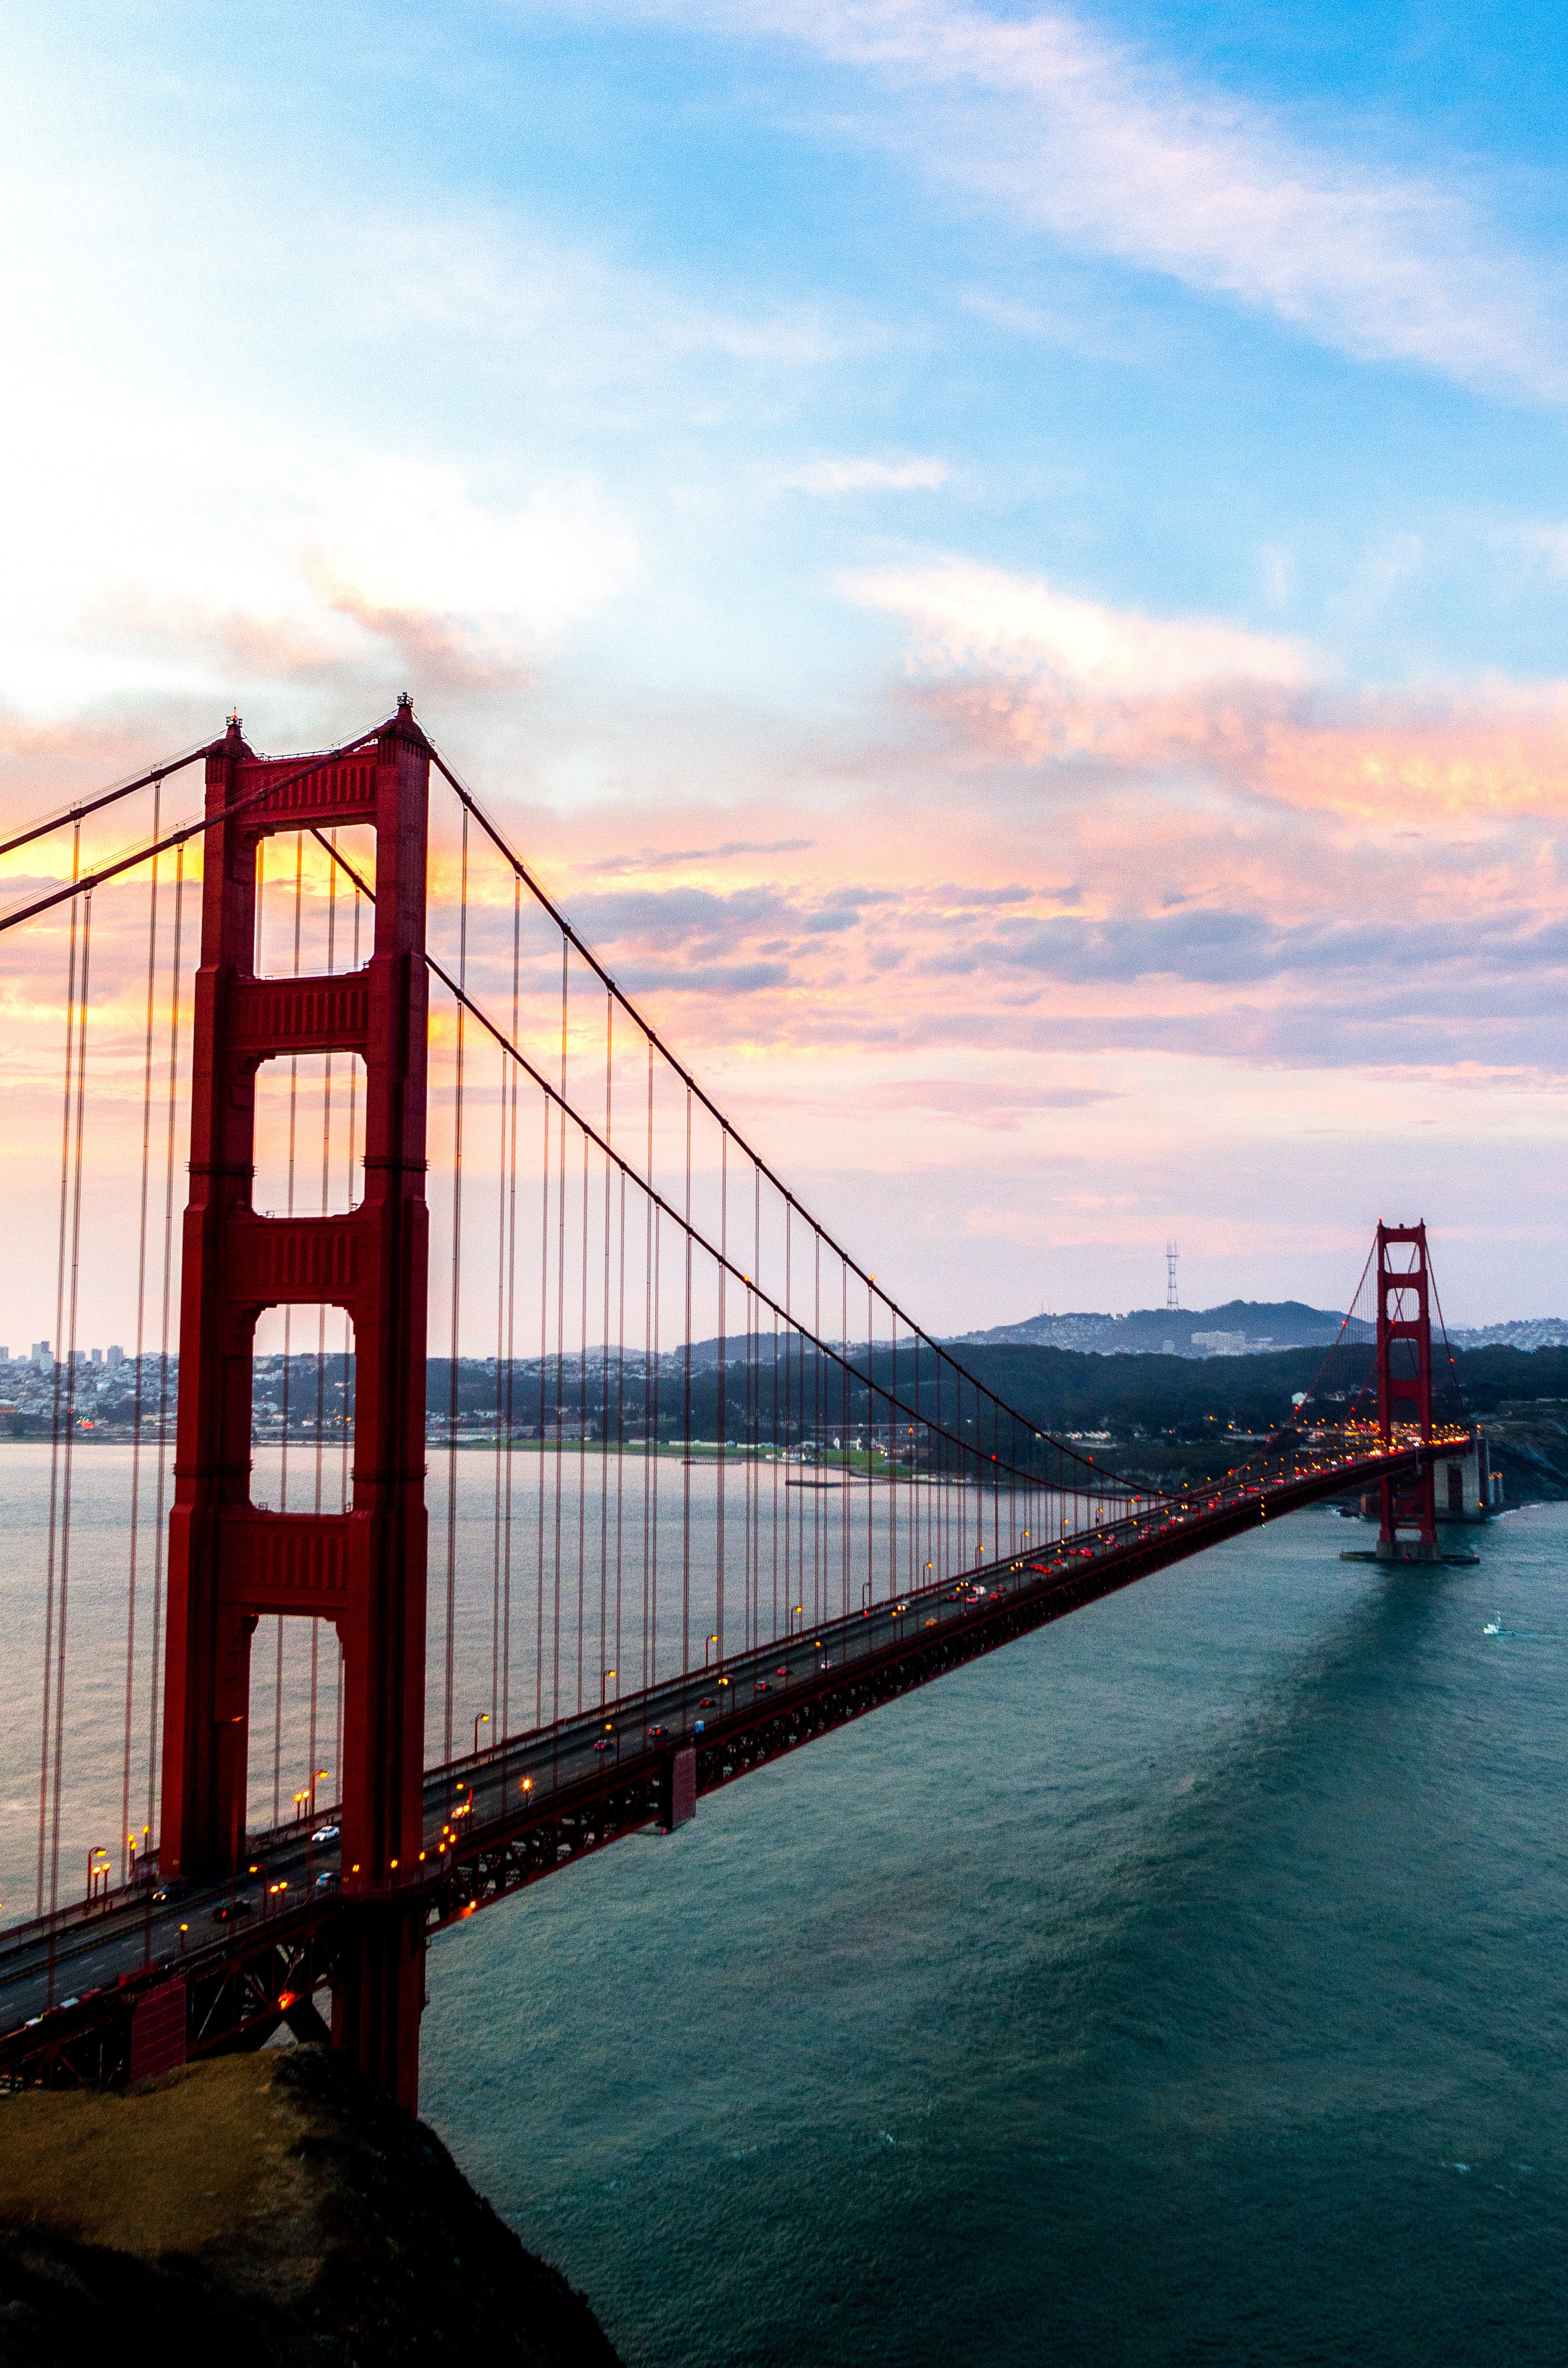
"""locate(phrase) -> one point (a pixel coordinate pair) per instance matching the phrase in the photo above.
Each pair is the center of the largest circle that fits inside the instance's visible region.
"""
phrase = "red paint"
(158, 2031)
(229, 1564)
(1404, 1381)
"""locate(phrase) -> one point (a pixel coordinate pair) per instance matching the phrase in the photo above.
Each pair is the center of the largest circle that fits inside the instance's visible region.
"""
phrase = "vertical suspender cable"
(175, 982)
(126, 1839)
(760, 1455)
(582, 1430)
(545, 1108)
(61, 1624)
(724, 1387)
(818, 1426)
(647, 1376)
(452, 1385)
(511, 1400)
(686, 1422)
(653, 1458)
(620, 1421)
(348, 1395)
(604, 1361)
(844, 1431)
(560, 1344)
(288, 1338)
(501, 1517)
(56, 1403)
(788, 1408)
(320, 1317)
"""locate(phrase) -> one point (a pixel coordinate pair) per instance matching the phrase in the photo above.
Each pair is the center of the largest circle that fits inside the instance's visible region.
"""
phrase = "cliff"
(270, 2204)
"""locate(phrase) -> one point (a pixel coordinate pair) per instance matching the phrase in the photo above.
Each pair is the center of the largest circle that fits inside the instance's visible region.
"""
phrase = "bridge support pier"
(1405, 1389)
(380, 1996)
(232, 1562)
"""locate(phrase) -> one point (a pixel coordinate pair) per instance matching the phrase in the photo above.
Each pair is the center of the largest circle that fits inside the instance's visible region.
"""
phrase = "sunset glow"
(1007, 572)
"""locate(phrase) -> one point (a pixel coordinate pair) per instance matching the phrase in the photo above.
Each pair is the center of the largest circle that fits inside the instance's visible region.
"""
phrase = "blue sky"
(1110, 460)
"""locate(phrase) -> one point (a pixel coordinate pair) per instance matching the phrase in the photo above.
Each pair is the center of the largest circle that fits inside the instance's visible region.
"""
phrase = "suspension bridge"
(458, 1224)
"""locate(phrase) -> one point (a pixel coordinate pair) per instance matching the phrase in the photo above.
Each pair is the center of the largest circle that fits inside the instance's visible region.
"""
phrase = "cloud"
(1113, 153)
(1548, 543)
(870, 477)
(999, 1106)
(511, 577)
(1035, 676)
(652, 858)
(965, 616)
(706, 978)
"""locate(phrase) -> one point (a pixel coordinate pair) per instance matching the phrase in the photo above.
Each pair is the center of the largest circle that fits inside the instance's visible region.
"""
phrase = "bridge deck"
(252, 1954)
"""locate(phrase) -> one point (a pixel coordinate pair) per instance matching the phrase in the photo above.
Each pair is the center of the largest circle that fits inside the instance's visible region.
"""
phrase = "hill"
(1241, 1325)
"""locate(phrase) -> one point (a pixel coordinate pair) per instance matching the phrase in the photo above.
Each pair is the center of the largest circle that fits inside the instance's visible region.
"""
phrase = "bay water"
(1182, 1985)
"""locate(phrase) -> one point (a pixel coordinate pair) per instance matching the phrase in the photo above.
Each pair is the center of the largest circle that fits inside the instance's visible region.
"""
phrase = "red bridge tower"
(1404, 1383)
(363, 1570)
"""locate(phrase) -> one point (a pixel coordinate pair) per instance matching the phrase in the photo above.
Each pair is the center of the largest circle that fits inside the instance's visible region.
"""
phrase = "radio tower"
(1171, 1298)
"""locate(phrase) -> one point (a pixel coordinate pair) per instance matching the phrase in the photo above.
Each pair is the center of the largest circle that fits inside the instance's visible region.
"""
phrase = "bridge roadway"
(254, 1948)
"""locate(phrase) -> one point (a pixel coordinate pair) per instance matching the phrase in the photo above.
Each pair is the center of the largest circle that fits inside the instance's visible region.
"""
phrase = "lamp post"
(316, 1775)
(605, 1677)
(708, 1645)
(481, 1720)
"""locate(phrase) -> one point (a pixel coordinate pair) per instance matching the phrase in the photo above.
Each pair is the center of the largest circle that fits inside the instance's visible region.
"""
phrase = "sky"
(1009, 570)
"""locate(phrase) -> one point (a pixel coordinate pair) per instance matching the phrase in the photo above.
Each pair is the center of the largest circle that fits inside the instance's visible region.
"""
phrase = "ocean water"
(1184, 1985)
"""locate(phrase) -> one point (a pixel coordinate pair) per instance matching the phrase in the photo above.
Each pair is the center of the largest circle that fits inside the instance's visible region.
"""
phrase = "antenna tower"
(1171, 1298)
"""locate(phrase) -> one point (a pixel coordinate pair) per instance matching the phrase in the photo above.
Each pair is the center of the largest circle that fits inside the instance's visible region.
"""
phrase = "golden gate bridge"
(730, 1497)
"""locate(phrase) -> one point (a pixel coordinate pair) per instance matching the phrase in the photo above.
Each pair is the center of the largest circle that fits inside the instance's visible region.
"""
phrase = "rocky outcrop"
(273, 2207)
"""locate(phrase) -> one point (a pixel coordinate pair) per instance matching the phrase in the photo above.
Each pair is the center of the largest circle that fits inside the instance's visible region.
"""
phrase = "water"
(1183, 1985)
(577, 1527)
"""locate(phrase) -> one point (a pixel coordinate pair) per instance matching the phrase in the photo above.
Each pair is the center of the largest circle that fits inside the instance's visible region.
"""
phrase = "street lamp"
(707, 1642)
(316, 1775)
(605, 1677)
(302, 1803)
(482, 1720)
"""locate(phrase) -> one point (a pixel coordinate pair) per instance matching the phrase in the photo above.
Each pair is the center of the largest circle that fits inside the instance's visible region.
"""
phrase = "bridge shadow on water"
(1135, 1997)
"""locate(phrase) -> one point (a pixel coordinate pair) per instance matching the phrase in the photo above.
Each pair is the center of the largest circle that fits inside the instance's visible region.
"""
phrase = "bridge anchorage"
(713, 1494)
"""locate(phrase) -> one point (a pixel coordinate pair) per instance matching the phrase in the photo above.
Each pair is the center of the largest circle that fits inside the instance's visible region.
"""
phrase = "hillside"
(260, 2209)
(1255, 1324)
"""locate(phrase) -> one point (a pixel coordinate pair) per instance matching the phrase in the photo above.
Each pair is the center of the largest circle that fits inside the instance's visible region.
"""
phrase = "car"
(604, 1743)
(655, 1733)
(761, 1686)
(325, 1834)
(707, 1702)
(227, 1909)
(167, 1894)
(782, 1671)
(327, 1882)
